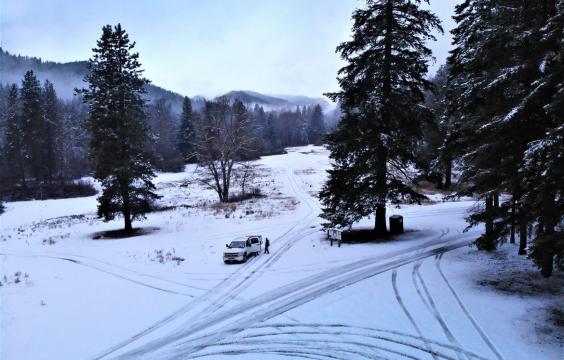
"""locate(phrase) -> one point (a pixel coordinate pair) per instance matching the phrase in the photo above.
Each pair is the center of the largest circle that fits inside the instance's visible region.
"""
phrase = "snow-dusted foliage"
(118, 129)
(506, 94)
(381, 97)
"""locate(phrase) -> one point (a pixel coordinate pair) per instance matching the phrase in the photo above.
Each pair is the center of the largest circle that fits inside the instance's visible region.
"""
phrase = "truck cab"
(241, 249)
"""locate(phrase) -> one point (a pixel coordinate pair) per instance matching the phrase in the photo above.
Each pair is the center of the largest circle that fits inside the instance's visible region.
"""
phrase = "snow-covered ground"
(168, 294)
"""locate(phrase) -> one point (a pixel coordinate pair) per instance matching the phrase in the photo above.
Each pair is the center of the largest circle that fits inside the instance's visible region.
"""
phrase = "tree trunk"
(440, 184)
(547, 263)
(513, 220)
(127, 219)
(380, 221)
(381, 170)
(126, 210)
(448, 173)
(522, 237)
(489, 245)
(550, 220)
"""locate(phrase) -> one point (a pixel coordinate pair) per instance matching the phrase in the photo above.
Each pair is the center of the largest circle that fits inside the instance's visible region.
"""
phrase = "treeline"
(505, 121)
(273, 130)
(45, 144)
(494, 114)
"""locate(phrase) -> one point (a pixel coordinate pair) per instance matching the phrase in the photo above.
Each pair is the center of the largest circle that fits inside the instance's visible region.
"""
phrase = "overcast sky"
(204, 47)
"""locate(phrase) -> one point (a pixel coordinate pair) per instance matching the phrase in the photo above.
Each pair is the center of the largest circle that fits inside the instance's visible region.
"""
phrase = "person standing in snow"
(266, 245)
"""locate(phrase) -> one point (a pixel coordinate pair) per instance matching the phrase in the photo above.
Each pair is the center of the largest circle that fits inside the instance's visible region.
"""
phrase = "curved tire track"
(226, 296)
(480, 331)
(328, 329)
(434, 310)
(407, 313)
(112, 273)
(278, 301)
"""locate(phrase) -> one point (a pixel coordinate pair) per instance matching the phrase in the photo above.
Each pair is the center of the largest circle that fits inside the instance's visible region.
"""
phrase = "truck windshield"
(237, 244)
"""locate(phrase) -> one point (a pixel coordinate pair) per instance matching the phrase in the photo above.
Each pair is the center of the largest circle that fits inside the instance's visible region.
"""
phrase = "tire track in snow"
(430, 303)
(97, 268)
(279, 301)
(136, 272)
(478, 328)
(407, 313)
(283, 351)
(325, 346)
(255, 273)
(166, 319)
(356, 331)
(216, 289)
(342, 329)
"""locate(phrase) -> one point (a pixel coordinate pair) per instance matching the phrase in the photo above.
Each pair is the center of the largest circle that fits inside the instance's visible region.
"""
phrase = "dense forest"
(493, 113)
(45, 143)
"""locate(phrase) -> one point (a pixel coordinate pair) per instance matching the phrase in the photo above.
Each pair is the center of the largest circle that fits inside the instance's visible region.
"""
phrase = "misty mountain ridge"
(68, 76)
(274, 102)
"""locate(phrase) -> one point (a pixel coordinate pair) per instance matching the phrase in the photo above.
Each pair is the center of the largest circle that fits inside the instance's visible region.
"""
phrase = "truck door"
(255, 245)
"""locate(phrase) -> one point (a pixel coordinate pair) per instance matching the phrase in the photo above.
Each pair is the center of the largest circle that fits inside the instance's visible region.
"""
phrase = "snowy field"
(168, 294)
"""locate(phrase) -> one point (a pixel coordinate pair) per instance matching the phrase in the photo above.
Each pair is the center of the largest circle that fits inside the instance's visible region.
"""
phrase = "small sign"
(334, 234)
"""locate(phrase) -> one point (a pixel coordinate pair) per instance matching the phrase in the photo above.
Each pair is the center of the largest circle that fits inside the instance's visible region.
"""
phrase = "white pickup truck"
(242, 249)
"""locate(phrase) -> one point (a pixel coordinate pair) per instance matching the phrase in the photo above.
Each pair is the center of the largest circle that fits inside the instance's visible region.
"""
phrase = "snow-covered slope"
(168, 294)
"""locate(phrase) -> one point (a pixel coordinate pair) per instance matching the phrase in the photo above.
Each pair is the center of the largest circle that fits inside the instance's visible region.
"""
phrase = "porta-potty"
(396, 224)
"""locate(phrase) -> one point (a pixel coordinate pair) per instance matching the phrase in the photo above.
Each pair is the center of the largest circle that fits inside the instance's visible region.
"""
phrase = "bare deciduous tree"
(245, 173)
(224, 136)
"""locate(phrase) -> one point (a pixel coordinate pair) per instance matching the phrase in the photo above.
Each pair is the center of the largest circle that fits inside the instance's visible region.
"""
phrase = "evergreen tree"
(506, 89)
(118, 129)
(482, 42)
(32, 126)
(523, 119)
(259, 127)
(186, 133)
(316, 129)
(302, 127)
(495, 65)
(13, 140)
(381, 98)
(51, 130)
(271, 141)
(167, 156)
(543, 166)
(433, 161)
(74, 139)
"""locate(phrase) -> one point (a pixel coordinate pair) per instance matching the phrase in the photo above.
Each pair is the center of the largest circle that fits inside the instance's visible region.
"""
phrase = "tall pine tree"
(483, 43)
(13, 140)
(506, 92)
(167, 156)
(316, 129)
(118, 129)
(382, 103)
(51, 130)
(186, 133)
(32, 127)
(543, 166)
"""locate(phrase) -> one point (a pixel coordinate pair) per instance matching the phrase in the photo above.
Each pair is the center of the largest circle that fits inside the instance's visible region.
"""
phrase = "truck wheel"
(245, 257)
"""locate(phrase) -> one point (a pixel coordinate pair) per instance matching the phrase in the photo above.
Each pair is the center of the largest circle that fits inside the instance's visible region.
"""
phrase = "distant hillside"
(274, 101)
(66, 76)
